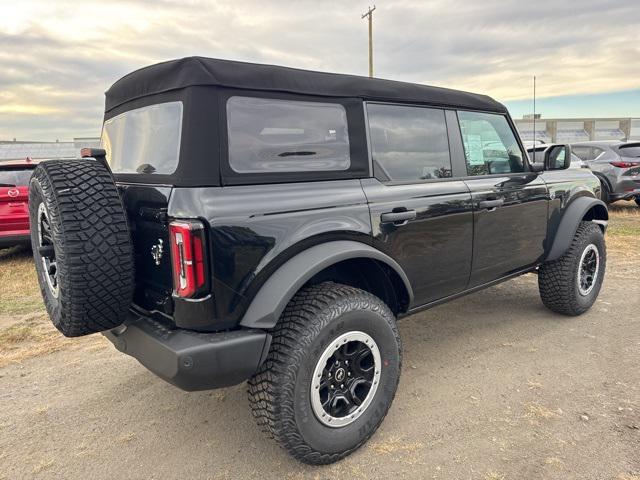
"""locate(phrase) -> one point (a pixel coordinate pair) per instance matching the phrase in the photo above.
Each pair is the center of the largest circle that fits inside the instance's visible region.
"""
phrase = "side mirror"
(557, 157)
(537, 167)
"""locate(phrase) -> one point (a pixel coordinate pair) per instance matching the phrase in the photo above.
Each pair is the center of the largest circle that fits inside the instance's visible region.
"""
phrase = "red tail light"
(621, 164)
(188, 257)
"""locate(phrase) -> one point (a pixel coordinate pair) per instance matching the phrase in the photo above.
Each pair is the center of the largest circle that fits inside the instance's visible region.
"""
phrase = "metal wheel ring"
(316, 404)
(588, 275)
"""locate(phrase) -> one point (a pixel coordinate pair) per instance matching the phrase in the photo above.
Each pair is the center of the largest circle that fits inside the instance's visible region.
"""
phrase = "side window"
(490, 146)
(274, 135)
(409, 143)
(596, 152)
(583, 153)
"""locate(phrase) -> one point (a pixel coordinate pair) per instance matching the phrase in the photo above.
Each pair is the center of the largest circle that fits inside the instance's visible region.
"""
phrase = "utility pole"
(369, 14)
(534, 111)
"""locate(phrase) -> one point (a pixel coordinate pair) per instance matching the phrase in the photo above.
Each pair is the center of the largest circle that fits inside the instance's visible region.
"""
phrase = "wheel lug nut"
(342, 385)
(348, 374)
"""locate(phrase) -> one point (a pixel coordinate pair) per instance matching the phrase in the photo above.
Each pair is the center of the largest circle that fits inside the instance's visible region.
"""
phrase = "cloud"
(58, 58)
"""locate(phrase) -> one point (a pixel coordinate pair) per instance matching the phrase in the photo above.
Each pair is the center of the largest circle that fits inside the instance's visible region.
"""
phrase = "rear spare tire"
(81, 246)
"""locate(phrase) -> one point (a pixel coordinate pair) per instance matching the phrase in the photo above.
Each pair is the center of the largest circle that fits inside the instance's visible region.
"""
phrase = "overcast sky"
(57, 57)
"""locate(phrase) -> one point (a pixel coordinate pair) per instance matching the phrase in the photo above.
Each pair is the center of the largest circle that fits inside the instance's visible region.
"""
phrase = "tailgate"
(14, 210)
(146, 207)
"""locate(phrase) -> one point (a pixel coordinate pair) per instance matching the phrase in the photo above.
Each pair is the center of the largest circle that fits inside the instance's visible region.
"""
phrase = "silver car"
(616, 164)
(536, 155)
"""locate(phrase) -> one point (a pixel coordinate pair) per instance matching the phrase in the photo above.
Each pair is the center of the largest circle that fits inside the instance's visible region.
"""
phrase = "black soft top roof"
(191, 71)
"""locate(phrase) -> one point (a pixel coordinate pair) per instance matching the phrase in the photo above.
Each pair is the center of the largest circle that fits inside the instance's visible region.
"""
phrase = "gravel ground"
(494, 387)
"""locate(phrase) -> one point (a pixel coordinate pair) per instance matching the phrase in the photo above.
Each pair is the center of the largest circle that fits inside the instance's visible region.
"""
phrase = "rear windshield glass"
(269, 135)
(18, 178)
(630, 150)
(145, 140)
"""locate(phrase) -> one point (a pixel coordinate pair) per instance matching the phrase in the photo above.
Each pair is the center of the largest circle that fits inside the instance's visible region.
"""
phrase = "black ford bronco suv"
(254, 222)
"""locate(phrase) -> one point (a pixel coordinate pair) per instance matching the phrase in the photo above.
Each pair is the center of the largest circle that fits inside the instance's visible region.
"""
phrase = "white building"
(568, 130)
(19, 150)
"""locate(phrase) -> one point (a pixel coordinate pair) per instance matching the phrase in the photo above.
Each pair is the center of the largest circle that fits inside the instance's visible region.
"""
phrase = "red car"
(14, 201)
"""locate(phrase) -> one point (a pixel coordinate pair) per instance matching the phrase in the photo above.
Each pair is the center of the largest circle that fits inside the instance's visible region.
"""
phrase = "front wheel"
(331, 373)
(571, 284)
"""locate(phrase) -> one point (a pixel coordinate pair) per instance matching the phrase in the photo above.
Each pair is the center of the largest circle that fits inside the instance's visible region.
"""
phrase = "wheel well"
(371, 275)
(597, 212)
(603, 179)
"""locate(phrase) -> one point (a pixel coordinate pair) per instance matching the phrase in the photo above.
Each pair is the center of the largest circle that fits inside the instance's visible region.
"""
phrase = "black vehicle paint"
(255, 229)
(446, 237)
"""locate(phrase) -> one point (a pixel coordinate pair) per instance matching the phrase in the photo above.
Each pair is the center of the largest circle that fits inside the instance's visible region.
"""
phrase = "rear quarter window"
(267, 135)
(145, 140)
(632, 151)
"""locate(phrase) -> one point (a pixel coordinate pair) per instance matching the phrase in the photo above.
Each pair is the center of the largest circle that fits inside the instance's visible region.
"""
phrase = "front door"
(421, 216)
(510, 203)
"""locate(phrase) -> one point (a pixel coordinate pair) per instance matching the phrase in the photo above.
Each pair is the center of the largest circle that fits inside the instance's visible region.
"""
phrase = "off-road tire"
(637, 200)
(279, 393)
(558, 279)
(92, 244)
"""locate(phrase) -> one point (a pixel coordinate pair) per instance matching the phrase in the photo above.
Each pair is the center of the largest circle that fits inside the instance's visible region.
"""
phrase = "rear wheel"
(571, 284)
(637, 200)
(81, 246)
(331, 373)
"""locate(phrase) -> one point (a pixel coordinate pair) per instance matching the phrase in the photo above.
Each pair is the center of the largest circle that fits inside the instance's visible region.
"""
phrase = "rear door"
(142, 145)
(420, 214)
(146, 207)
(14, 197)
(510, 203)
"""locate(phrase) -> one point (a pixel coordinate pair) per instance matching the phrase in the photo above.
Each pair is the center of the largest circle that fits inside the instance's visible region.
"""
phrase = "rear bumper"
(626, 188)
(191, 360)
(11, 240)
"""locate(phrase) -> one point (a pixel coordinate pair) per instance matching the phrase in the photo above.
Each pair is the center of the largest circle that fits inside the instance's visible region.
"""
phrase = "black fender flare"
(568, 226)
(272, 298)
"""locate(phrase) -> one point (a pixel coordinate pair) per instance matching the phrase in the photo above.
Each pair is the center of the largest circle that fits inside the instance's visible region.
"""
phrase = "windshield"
(18, 177)
(145, 140)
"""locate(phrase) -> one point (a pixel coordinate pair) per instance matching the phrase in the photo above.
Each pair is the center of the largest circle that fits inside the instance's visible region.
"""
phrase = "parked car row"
(615, 163)
(617, 166)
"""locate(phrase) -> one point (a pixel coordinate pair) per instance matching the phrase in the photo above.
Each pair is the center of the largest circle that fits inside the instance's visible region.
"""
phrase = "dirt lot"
(494, 387)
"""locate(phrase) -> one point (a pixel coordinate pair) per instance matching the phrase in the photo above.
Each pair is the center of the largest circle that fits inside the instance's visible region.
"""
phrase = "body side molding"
(273, 296)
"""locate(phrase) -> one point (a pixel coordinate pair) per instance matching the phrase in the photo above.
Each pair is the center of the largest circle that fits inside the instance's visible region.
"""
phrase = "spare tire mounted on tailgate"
(81, 246)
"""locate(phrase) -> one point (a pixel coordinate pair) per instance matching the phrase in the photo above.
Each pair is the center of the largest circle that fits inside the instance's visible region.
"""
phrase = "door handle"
(491, 204)
(399, 218)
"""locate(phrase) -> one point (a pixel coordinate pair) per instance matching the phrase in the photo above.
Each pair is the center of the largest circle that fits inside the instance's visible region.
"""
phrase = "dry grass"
(30, 337)
(42, 466)
(623, 234)
(395, 445)
(536, 412)
(34, 335)
(628, 476)
(19, 291)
